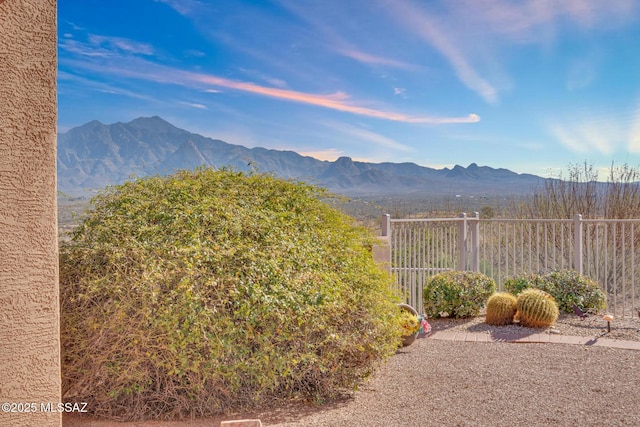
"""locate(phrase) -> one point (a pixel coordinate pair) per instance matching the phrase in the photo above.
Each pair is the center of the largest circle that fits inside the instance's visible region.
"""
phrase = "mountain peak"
(344, 160)
(154, 123)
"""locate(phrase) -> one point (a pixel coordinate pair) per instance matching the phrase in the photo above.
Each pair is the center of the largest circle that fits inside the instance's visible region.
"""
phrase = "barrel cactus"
(537, 309)
(501, 309)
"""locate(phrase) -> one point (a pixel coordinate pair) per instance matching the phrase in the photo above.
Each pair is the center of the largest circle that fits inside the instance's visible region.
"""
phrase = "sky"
(533, 86)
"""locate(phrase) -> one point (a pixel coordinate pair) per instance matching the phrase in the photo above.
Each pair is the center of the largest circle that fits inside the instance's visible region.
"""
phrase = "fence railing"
(606, 250)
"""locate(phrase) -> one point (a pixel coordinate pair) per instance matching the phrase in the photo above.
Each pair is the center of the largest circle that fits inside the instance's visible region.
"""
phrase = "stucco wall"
(29, 308)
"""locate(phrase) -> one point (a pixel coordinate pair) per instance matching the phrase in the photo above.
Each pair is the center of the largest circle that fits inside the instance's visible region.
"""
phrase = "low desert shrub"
(568, 287)
(457, 293)
(519, 283)
(210, 291)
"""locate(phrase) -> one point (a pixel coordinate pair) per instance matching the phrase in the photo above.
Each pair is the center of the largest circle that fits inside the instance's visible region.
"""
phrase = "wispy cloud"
(531, 21)
(367, 58)
(368, 136)
(183, 7)
(425, 27)
(634, 131)
(121, 44)
(273, 81)
(104, 46)
(330, 154)
(67, 80)
(337, 101)
(194, 105)
(469, 32)
(601, 133)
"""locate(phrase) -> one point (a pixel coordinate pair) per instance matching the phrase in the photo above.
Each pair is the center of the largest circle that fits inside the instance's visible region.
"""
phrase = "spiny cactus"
(501, 308)
(537, 309)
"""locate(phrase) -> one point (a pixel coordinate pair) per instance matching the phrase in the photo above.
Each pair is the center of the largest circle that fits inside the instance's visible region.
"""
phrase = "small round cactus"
(537, 309)
(501, 308)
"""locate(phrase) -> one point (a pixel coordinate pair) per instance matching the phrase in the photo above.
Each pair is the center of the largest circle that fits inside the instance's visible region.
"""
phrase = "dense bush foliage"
(517, 284)
(457, 293)
(212, 290)
(568, 287)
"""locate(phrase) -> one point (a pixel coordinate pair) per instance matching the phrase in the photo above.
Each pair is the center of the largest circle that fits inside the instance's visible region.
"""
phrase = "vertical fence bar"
(577, 243)
(633, 269)
(614, 265)
(462, 238)
(624, 269)
(475, 242)
(386, 225)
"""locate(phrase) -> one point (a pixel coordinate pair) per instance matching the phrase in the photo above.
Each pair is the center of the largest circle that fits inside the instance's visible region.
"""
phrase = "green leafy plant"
(536, 309)
(210, 291)
(568, 287)
(457, 293)
(501, 309)
(519, 283)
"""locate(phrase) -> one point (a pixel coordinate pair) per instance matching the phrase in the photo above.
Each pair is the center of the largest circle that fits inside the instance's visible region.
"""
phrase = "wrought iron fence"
(605, 250)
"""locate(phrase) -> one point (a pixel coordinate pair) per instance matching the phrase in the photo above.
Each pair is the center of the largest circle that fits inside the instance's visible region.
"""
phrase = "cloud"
(591, 133)
(532, 21)
(468, 32)
(634, 132)
(183, 7)
(105, 46)
(425, 27)
(194, 105)
(194, 53)
(337, 101)
(273, 81)
(121, 44)
(69, 80)
(330, 154)
(375, 60)
(399, 91)
(369, 136)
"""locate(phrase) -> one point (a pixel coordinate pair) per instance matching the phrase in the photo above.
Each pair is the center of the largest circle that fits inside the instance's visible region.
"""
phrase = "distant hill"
(95, 155)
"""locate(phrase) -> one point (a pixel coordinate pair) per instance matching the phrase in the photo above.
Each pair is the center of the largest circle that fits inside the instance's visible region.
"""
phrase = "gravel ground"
(445, 383)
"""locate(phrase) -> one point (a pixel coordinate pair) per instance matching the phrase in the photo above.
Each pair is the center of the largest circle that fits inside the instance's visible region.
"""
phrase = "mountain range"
(96, 155)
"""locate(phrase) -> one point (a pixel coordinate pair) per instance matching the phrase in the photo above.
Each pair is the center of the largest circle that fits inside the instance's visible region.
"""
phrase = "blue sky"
(532, 86)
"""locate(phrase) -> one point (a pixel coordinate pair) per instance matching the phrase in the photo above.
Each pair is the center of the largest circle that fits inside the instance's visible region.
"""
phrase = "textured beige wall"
(29, 308)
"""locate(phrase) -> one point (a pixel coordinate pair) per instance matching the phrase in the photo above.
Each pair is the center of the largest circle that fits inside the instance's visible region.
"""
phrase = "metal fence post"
(386, 225)
(577, 243)
(475, 242)
(462, 242)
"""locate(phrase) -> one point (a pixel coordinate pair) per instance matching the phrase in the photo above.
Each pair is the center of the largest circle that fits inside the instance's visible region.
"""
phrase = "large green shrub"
(519, 283)
(568, 287)
(208, 291)
(457, 293)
